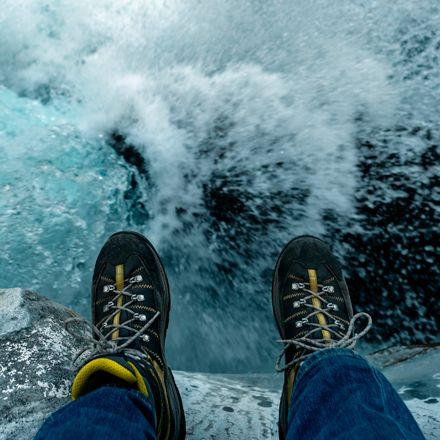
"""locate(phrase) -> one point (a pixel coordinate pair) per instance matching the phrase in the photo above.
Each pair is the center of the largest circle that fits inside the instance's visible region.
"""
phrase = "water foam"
(246, 115)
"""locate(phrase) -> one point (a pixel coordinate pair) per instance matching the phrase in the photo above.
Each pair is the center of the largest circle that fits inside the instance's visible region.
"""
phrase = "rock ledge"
(35, 377)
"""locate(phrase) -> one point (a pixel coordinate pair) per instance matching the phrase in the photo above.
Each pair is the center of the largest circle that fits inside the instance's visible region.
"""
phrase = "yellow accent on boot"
(142, 386)
(290, 382)
(313, 280)
(119, 286)
(160, 376)
(84, 380)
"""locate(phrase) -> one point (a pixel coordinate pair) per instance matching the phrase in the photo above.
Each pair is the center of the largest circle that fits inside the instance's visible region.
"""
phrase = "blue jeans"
(337, 395)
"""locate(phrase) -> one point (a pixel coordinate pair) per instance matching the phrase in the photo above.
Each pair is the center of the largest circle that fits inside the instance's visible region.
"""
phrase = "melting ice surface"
(246, 116)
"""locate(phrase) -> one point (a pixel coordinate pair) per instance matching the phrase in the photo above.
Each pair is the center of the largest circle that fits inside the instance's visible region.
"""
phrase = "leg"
(329, 392)
(338, 395)
(123, 385)
(108, 412)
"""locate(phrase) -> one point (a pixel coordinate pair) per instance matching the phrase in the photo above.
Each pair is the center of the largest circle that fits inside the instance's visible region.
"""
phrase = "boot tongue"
(319, 318)
(312, 277)
(134, 267)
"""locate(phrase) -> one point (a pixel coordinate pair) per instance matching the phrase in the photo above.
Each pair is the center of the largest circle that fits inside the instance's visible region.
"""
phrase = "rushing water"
(220, 129)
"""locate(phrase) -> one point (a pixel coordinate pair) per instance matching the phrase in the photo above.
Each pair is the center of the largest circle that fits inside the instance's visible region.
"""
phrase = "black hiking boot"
(130, 310)
(312, 308)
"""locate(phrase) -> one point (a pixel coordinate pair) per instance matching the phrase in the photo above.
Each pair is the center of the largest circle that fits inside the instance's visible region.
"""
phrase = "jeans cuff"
(326, 353)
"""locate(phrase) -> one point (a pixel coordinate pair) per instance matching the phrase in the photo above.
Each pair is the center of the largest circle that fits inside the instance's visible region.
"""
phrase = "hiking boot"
(130, 310)
(312, 308)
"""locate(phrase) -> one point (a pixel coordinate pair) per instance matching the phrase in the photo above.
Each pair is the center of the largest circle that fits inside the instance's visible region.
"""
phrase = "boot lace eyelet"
(109, 288)
(108, 306)
(139, 317)
(339, 324)
(297, 304)
(135, 279)
(301, 322)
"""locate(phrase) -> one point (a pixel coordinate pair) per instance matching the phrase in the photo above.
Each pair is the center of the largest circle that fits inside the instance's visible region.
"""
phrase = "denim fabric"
(338, 395)
(109, 412)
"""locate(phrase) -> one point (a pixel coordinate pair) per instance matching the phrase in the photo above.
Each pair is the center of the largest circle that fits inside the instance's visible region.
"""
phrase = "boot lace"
(103, 343)
(343, 338)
